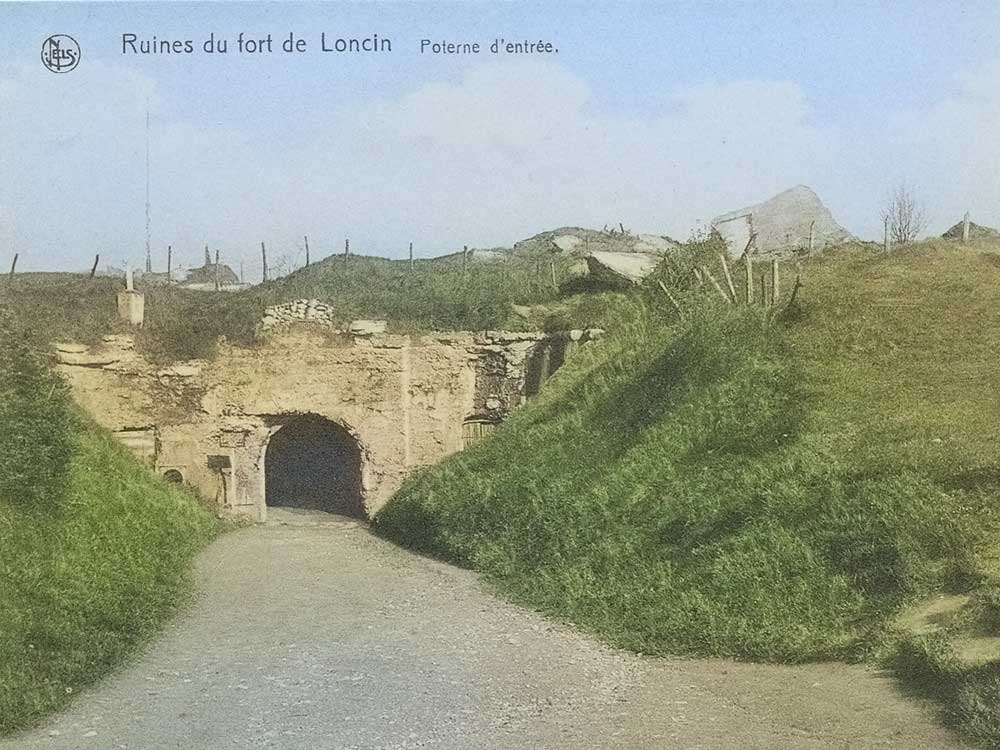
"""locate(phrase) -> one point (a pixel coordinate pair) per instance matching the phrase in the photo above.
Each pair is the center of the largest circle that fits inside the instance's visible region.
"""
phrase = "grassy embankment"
(781, 491)
(94, 550)
(439, 294)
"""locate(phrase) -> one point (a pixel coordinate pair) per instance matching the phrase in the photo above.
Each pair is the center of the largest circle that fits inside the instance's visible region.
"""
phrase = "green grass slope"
(94, 550)
(440, 294)
(734, 486)
(435, 295)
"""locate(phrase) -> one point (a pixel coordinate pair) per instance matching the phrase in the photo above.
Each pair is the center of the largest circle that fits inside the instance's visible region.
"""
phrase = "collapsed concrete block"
(367, 327)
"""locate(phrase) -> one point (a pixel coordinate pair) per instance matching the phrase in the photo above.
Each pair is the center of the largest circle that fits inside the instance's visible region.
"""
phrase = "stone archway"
(314, 463)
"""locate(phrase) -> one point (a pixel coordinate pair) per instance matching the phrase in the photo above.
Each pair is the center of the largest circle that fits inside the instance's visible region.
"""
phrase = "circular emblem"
(60, 53)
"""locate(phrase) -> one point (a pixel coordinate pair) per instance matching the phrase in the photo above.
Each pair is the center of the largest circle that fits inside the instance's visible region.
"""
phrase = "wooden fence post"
(795, 289)
(208, 258)
(886, 241)
(677, 307)
(729, 277)
(216, 269)
(170, 251)
(718, 287)
(555, 286)
(812, 236)
(465, 257)
(775, 282)
(763, 290)
(13, 265)
(411, 257)
(347, 247)
(965, 228)
(263, 258)
(749, 270)
(93, 269)
(306, 238)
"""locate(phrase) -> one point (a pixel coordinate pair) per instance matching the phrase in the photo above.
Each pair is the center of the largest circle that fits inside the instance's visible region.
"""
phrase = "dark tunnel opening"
(314, 464)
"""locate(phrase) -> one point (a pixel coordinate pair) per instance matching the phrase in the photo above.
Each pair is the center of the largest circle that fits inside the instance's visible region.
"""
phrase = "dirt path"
(327, 637)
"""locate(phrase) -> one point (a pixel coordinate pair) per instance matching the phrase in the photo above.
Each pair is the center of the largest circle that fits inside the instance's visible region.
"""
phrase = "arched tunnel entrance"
(314, 464)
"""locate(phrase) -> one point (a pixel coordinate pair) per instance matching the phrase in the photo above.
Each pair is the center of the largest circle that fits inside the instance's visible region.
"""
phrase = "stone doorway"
(312, 463)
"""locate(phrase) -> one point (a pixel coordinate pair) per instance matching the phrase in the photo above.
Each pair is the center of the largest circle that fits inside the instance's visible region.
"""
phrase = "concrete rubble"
(631, 267)
(781, 225)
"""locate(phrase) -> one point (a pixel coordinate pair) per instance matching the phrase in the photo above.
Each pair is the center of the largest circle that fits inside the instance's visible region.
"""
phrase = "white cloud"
(956, 147)
(512, 149)
(502, 152)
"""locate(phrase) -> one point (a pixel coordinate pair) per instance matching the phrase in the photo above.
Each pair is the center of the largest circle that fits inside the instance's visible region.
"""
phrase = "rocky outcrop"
(781, 225)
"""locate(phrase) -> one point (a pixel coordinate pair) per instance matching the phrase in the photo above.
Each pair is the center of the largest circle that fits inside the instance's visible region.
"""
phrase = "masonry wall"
(403, 398)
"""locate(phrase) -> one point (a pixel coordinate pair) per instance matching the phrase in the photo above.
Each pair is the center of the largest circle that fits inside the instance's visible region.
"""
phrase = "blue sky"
(659, 115)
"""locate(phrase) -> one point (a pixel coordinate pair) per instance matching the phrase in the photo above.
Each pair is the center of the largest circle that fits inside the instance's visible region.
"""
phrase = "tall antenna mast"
(149, 257)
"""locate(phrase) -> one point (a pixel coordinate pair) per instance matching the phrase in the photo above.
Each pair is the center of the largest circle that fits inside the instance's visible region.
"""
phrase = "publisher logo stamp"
(60, 53)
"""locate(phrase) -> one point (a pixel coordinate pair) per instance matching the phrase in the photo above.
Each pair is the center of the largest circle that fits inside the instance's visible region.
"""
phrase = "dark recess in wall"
(315, 464)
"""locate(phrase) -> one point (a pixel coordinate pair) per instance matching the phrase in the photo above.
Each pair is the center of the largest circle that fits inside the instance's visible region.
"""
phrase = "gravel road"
(323, 636)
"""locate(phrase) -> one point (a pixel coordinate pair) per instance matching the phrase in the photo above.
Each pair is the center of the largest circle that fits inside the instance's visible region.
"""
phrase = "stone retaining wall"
(404, 399)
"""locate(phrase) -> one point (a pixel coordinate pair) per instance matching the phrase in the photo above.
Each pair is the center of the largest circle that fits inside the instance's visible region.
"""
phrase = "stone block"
(131, 307)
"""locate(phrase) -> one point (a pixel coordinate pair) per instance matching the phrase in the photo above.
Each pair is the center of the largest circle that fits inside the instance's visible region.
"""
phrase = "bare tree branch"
(905, 214)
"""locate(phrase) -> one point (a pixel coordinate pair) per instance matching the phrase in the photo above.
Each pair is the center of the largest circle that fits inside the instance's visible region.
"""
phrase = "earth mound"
(976, 232)
(579, 242)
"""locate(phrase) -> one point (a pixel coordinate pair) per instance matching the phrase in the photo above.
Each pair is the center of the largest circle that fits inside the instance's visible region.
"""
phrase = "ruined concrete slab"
(580, 242)
(367, 327)
(631, 267)
(782, 224)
